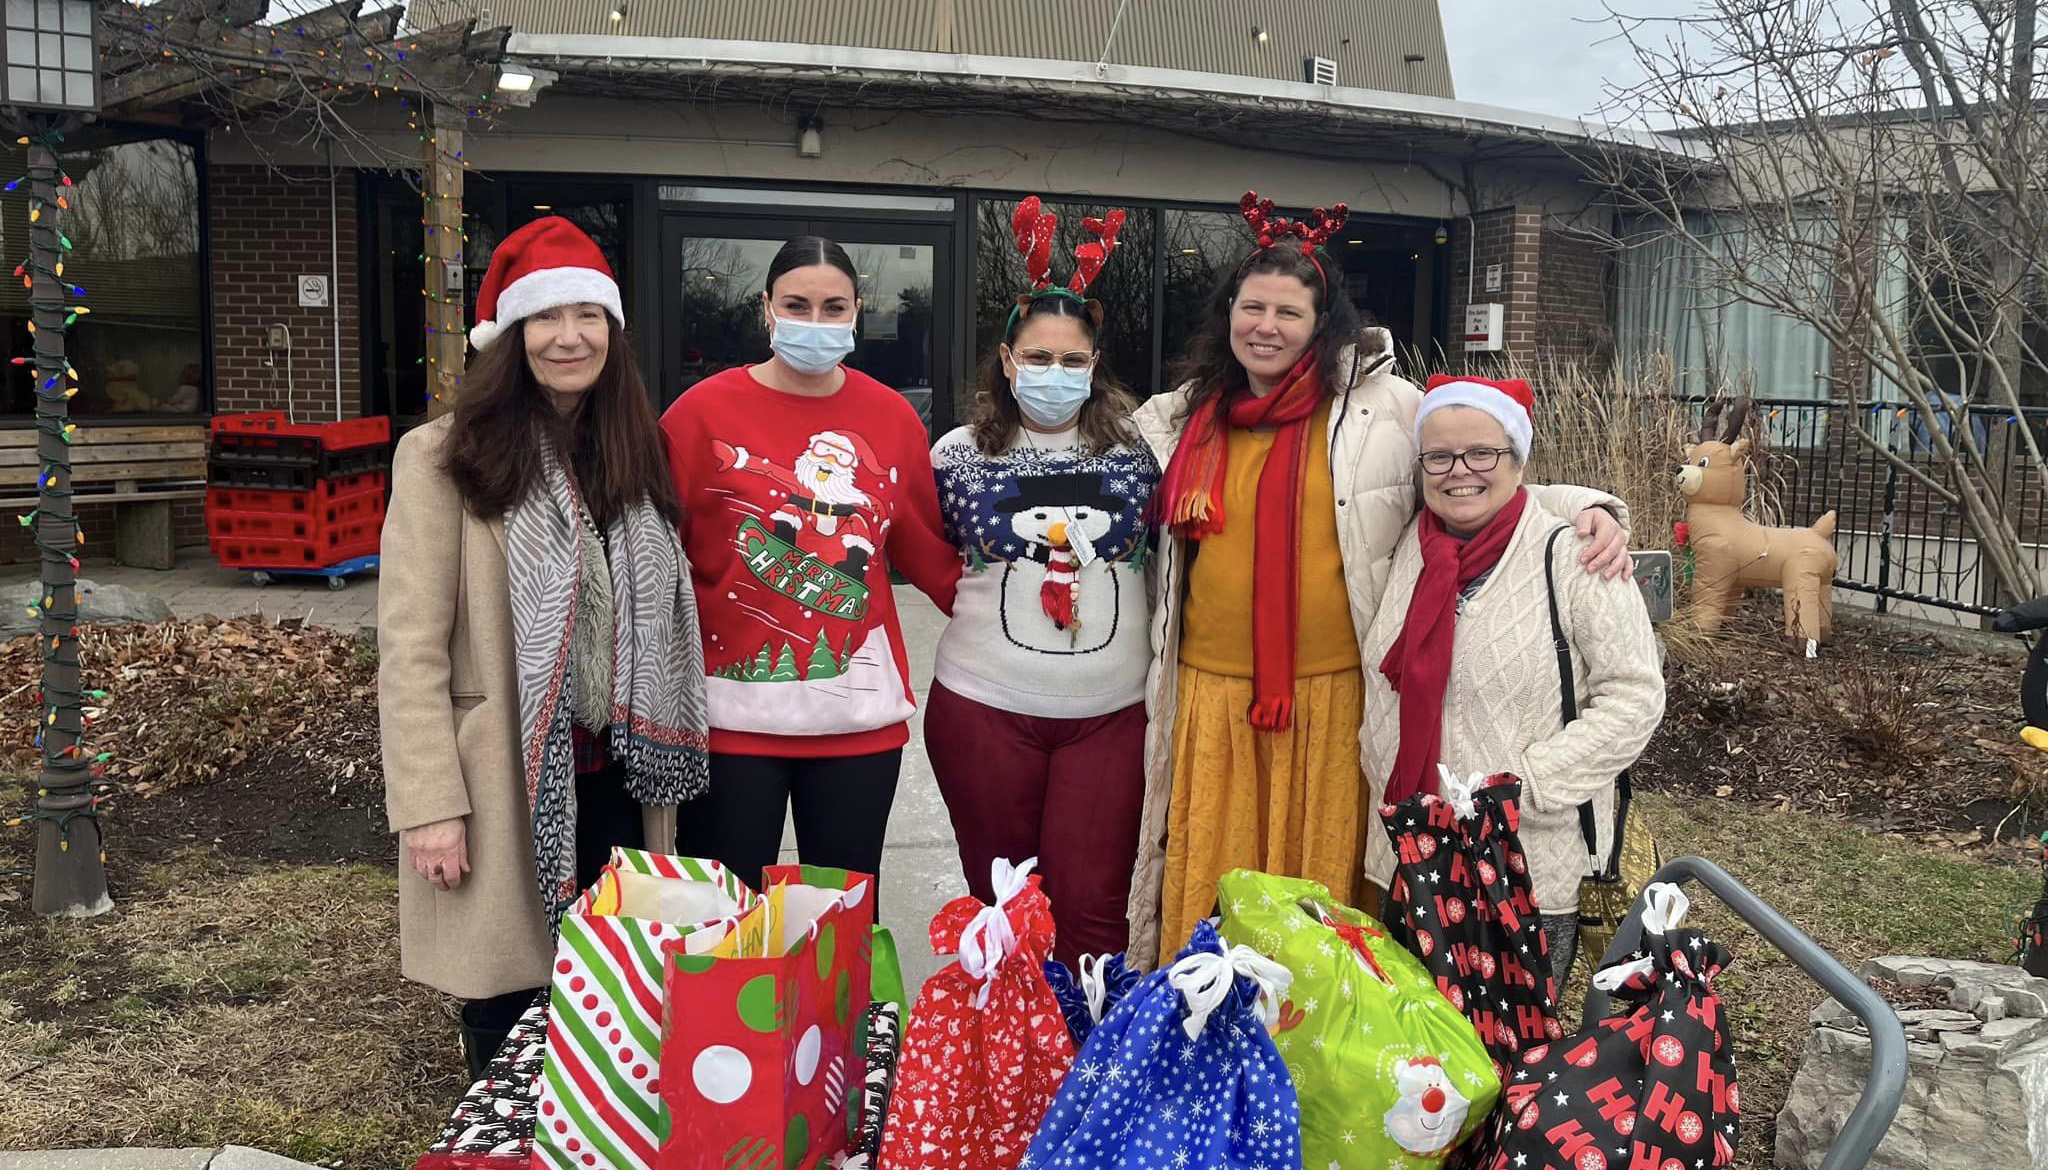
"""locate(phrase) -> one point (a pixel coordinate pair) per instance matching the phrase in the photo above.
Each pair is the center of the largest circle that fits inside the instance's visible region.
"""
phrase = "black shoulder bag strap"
(1588, 827)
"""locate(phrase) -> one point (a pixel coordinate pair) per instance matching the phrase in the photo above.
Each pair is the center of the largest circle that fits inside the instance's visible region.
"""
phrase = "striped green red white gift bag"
(598, 1102)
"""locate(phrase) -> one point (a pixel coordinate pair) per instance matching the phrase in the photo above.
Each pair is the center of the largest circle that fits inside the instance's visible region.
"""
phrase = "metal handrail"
(1886, 1084)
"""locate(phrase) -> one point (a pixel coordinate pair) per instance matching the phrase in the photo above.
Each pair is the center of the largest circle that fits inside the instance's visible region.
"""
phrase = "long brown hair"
(1209, 368)
(1105, 417)
(504, 420)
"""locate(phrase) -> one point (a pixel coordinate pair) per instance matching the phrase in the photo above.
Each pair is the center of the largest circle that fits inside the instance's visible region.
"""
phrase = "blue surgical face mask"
(811, 347)
(1054, 396)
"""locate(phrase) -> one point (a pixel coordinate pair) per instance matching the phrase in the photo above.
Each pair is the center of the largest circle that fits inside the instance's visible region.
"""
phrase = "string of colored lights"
(73, 781)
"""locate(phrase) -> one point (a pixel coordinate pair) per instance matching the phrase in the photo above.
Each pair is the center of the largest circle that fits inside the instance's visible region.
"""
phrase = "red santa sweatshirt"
(794, 510)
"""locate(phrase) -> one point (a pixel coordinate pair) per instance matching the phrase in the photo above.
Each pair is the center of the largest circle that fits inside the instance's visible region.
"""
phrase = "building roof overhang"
(1248, 111)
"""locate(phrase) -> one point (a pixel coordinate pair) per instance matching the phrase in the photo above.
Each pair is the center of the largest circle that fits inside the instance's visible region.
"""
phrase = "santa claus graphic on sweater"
(824, 514)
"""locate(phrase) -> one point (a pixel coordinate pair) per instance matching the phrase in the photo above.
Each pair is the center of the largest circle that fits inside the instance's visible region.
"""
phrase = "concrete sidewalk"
(221, 1158)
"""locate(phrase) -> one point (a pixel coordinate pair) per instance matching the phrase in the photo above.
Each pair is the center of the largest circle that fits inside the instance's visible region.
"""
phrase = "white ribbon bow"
(988, 939)
(1205, 978)
(1664, 904)
(1460, 792)
(1094, 984)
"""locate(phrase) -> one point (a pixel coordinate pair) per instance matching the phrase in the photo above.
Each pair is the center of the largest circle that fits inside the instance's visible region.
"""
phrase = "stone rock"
(1976, 1073)
(98, 605)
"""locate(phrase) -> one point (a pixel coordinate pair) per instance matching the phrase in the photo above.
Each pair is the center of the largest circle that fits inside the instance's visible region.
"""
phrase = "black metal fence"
(1897, 538)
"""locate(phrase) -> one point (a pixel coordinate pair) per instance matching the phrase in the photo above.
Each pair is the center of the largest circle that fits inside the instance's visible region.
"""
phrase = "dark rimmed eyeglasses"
(1478, 459)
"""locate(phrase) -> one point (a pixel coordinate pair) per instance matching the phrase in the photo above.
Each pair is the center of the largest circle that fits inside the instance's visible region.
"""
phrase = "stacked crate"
(285, 495)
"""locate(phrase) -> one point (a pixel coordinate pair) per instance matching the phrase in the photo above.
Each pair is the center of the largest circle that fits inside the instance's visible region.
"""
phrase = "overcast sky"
(1550, 56)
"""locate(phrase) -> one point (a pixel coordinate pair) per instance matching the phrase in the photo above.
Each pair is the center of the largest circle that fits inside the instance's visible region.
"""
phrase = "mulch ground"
(1893, 727)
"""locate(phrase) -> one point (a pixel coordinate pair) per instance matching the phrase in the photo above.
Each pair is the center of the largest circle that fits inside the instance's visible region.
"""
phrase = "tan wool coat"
(1371, 445)
(448, 710)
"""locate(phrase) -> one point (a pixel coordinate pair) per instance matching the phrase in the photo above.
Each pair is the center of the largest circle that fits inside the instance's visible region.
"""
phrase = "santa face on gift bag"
(1430, 1111)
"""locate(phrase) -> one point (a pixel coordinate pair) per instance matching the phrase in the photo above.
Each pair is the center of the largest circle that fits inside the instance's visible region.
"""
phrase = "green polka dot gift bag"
(596, 1104)
(762, 1035)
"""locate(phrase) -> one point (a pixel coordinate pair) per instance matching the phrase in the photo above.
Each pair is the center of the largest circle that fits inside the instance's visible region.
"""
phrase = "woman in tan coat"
(541, 682)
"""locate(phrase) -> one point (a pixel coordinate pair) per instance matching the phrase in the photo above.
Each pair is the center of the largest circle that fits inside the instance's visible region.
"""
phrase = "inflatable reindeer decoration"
(1732, 553)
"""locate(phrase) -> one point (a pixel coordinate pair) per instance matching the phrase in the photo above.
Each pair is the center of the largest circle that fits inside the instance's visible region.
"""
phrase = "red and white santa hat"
(1509, 401)
(547, 264)
(851, 449)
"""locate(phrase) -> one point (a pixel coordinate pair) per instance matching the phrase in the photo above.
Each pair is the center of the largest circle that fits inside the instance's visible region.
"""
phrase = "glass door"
(715, 268)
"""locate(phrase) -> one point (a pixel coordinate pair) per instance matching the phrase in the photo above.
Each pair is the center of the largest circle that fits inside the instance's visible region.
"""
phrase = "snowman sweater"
(1051, 617)
(794, 511)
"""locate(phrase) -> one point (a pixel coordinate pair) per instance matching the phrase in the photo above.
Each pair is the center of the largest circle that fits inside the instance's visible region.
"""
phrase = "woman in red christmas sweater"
(803, 482)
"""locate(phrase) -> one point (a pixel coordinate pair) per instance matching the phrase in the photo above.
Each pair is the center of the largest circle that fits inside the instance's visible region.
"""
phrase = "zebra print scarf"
(659, 720)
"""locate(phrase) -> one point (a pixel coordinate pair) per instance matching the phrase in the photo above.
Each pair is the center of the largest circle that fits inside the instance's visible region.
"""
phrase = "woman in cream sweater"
(1465, 670)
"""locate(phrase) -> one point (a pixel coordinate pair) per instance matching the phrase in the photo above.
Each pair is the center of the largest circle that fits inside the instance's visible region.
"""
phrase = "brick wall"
(269, 228)
(1511, 238)
(1575, 322)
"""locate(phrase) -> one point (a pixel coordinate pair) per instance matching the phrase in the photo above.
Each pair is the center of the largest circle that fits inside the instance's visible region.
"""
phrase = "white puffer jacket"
(1371, 443)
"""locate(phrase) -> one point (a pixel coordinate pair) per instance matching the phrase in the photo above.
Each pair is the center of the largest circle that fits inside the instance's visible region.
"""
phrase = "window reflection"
(134, 229)
(1124, 287)
(1202, 247)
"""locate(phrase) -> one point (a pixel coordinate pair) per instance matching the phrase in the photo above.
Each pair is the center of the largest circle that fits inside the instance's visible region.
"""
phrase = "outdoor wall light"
(51, 57)
(513, 79)
(1259, 34)
(618, 13)
(1442, 236)
(810, 143)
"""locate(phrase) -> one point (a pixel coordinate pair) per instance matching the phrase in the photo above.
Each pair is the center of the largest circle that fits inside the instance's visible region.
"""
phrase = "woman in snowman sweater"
(1036, 721)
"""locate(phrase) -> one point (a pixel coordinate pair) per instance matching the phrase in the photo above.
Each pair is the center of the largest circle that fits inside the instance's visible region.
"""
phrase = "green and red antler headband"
(1034, 228)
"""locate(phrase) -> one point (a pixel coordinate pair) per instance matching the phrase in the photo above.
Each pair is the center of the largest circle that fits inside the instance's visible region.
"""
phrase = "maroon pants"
(1066, 791)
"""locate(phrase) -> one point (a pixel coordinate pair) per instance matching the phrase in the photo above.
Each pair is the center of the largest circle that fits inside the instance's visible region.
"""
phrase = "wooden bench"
(141, 470)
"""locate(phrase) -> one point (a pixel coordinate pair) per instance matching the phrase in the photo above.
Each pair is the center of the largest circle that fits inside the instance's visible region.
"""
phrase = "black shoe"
(480, 1044)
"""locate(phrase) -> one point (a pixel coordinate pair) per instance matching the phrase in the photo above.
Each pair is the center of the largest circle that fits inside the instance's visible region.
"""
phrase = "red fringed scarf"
(1418, 665)
(1191, 502)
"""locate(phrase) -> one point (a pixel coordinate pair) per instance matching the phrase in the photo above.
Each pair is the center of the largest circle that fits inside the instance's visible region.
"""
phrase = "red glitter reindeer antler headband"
(1313, 231)
(1034, 228)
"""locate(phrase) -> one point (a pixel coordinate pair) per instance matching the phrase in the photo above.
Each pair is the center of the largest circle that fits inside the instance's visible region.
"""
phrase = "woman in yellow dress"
(1289, 448)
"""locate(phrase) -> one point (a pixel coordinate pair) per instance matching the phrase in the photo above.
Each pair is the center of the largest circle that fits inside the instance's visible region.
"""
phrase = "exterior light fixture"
(810, 142)
(1442, 236)
(51, 56)
(1259, 34)
(513, 79)
(618, 13)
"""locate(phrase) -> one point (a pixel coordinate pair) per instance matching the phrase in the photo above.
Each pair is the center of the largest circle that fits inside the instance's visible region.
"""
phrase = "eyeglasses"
(1044, 359)
(1477, 459)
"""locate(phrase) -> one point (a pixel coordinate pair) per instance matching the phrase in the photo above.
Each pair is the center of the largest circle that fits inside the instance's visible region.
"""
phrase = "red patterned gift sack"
(761, 1037)
(987, 1045)
(1652, 1087)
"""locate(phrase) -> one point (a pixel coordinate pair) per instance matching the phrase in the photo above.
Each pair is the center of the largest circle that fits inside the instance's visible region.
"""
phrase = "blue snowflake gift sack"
(1084, 1001)
(1181, 1075)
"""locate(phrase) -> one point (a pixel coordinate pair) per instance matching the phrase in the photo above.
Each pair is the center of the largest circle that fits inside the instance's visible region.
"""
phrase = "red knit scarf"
(1191, 502)
(1418, 665)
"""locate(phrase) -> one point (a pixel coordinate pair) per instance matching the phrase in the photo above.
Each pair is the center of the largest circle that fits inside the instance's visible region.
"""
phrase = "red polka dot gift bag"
(761, 1039)
(596, 1105)
(987, 1045)
(1652, 1087)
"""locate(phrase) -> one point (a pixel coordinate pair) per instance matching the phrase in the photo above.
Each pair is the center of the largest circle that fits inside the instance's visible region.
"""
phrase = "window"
(1202, 247)
(1124, 286)
(134, 229)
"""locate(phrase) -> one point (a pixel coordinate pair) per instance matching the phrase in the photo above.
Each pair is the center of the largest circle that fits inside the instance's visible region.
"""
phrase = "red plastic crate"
(298, 503)
(335, 436)
(274, 553)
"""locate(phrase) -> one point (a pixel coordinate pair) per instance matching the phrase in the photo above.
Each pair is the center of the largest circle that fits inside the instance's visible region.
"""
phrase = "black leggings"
(840, 805)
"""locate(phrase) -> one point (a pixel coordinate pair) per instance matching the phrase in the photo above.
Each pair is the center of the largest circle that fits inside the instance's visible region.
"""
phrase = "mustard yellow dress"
(1292, 802)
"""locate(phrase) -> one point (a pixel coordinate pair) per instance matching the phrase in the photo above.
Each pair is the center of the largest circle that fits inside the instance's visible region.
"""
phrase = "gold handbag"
(1610, 891)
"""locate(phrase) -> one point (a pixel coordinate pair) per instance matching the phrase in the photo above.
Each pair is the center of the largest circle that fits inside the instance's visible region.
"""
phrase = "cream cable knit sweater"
(1503, 707)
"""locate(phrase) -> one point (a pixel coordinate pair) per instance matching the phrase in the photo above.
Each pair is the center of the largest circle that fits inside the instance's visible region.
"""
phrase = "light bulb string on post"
(72, 784)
